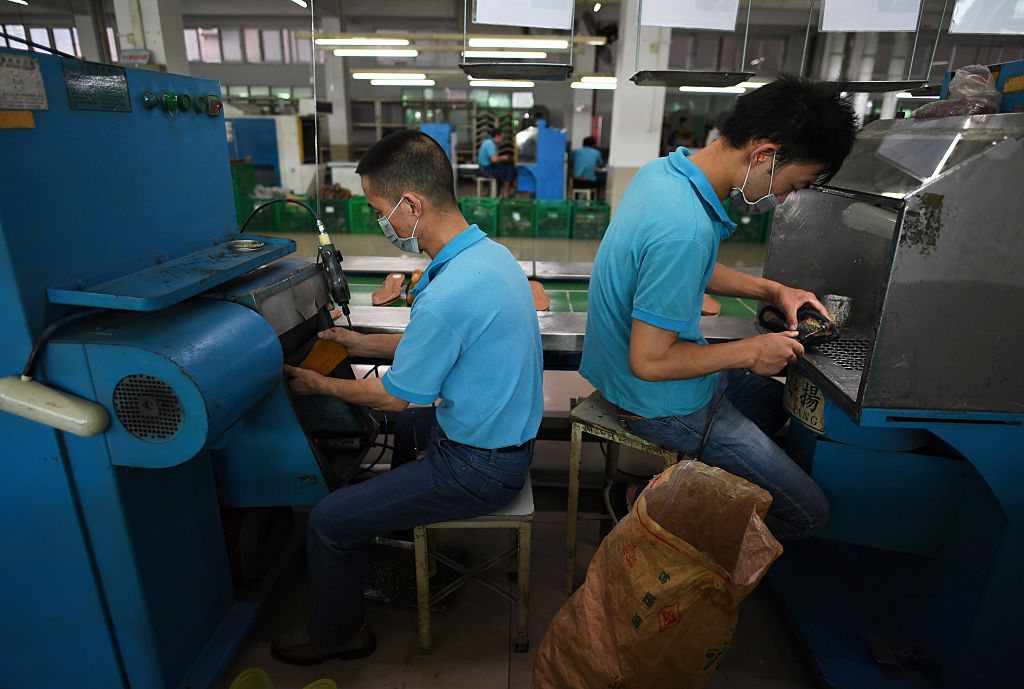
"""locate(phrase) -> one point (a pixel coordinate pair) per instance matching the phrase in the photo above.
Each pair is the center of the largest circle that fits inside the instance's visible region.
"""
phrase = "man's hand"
(348, 339)
(789, 300)
(302, 381)
(773, 352)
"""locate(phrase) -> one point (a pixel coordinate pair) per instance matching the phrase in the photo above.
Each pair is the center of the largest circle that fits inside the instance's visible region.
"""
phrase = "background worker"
(495, 166)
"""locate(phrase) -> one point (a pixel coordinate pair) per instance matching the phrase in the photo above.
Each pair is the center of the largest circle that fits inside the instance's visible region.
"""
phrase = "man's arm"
(728, 282)
(656, 354)
(364, 346)
(368, 392)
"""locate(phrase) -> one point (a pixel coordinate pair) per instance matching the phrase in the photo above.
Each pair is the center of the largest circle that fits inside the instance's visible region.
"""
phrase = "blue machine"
(540, 156)
(441, 132)
(913, 423)
(116, 195)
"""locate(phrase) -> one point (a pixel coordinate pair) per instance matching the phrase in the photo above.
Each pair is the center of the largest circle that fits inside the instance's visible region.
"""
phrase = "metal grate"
(148, 408)
(849, 354)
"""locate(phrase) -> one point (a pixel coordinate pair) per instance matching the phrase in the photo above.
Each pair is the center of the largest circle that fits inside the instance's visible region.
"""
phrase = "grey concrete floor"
(473, 640)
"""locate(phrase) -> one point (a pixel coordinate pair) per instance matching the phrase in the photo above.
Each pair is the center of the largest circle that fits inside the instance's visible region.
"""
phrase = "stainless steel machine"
(912, 422)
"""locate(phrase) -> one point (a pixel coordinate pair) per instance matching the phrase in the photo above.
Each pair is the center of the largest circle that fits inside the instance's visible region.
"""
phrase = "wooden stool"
(517, 516)
(583, 194)
(596, 416)
(483, 181)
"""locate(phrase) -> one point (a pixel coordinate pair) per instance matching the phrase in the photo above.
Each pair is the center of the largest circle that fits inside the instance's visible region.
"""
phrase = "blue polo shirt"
(473, 342)
(585, 162)
(653, 265)
(488, 149)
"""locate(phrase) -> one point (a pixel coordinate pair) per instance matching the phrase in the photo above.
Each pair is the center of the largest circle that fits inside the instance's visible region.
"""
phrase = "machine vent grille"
(148, 408)
(848, 354)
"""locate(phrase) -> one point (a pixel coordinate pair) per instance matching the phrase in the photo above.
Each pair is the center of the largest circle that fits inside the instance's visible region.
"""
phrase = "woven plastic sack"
(660, 601)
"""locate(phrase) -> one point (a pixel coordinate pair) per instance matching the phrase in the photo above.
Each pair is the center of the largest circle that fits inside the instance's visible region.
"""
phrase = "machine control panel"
(173, 103)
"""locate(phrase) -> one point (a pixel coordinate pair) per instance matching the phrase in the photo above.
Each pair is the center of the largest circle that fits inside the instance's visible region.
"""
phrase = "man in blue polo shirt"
(585, 162)
(472, 345)
(644, 349)
(495, 166)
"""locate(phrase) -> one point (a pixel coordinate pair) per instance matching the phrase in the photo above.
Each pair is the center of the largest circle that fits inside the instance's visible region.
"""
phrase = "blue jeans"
(503, 172)
(740, 443)
(453, 481)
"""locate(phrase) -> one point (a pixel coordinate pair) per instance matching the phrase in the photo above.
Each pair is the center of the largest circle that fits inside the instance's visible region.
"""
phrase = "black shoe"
(295, 646)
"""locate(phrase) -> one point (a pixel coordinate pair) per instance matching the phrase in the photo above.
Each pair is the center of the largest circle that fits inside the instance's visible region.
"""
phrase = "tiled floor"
(473, 639)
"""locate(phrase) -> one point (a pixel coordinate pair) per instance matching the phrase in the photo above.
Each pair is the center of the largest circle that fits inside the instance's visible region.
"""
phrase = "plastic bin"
(361, 218)
(552, 218)
(243, 184)
(481, 211)
(334, 215)
(590, 219)
(515, 218)
(267, 220)
(295, 218)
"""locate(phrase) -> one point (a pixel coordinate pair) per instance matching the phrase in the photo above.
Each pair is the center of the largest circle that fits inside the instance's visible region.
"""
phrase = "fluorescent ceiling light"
(752, 84)
(389, 75)
(18, 2)
(511, 54)
(597, 7)
(501, 83)
(401, 82)
(593, 85)
(597, 79)
(907, 94)
(712, 89)
(375, 52)
(300, 3)
(550, 43)
(362, 41)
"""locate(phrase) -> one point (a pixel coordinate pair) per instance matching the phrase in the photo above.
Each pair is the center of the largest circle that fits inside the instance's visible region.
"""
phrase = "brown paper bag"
(659, 605)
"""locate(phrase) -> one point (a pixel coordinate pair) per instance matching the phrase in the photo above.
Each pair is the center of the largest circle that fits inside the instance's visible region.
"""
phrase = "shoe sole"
(341, 655)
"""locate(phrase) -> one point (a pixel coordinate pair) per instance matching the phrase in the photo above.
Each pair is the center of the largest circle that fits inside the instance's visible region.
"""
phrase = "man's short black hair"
(497, 132)
(409, 160)
(589, 141)
(808, 120)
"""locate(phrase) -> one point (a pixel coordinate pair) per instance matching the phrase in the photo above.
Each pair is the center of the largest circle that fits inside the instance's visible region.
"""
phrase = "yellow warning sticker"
(805, 401)
(17, 119)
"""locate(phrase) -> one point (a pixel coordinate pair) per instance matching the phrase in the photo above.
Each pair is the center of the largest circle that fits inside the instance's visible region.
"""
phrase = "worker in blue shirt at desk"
(494, 166)
(644, 349)
(472, 345)
(585, 162)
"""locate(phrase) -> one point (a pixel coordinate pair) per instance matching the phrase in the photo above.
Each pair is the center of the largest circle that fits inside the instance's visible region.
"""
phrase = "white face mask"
(410, 244)
(764, 204)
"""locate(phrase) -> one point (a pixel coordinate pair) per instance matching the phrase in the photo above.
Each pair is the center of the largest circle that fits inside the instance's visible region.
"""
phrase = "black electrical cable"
(271, 202)
(40, 46)
(47, 333)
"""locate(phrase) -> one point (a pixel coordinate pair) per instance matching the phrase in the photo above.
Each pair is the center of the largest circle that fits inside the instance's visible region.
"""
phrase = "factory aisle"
(473, 639)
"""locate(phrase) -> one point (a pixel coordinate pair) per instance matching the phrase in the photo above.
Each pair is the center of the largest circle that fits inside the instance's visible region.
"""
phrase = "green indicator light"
(170, 102)
(184, 101)
(200, 104)
(150, 100)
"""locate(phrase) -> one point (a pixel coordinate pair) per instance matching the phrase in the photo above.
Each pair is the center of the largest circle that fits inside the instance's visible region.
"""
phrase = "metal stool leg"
(422, 589)
(575, 450)
(523, 585)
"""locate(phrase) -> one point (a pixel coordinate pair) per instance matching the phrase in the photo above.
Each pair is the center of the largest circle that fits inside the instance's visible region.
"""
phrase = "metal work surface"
(559, 332)
(922, 229)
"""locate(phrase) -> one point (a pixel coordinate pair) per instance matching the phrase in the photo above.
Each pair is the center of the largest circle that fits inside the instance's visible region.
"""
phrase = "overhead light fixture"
(593, 85)
(549, 43)
(362, 41)
(713, 89)
(751, 84)
(510, 54)
(300, 3)
(597, 7)
(19, 2)
(389, 76)
(907, 94)
(401, 82)
(501, 84)
(376, 52)
(598, 79)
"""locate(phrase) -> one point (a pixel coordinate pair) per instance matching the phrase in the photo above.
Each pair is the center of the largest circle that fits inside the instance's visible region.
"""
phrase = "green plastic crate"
(590, 219)
(243, 184)
(515, 218)
(295, 218)
(334, 215)
(552, 218)
(361, 218)
(267, 220)
(481, 211)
